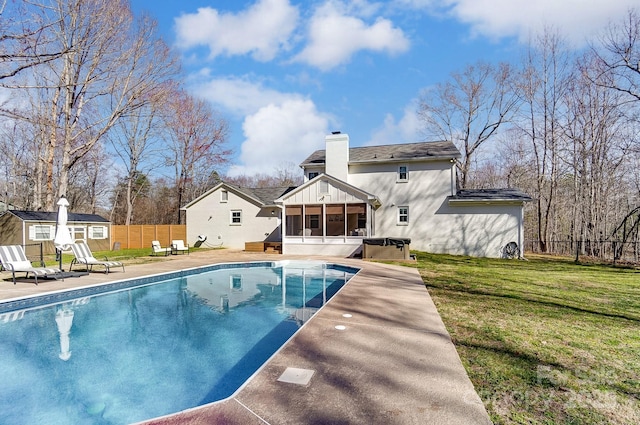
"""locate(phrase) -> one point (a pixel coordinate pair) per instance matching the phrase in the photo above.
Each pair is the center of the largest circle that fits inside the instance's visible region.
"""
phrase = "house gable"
(325, 189)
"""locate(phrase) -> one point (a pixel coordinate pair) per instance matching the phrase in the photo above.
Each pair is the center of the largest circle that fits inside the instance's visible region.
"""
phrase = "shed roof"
(53, 216)
(398, 152)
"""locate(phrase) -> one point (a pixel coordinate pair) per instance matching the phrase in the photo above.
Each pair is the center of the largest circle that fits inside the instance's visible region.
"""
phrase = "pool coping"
(392, 362)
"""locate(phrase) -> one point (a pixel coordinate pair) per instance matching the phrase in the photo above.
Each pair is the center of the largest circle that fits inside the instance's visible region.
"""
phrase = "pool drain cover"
(293, 375)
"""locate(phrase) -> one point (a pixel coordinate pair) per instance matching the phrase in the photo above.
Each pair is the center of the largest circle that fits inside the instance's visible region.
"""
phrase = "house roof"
(386, 153)
(53, 216)
(487, 195)
(266, 195)
(262, 196)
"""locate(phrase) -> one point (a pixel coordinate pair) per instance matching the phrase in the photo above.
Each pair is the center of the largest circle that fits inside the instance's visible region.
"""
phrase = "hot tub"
(386, 248)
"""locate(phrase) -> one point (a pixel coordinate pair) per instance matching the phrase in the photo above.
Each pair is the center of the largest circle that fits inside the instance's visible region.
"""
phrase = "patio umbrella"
(62, 240)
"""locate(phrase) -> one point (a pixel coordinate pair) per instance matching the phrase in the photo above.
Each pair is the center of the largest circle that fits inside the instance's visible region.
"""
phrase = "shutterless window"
(313, 175)
(403, 215)
(403, 173)
(224, 196)
(236, 217)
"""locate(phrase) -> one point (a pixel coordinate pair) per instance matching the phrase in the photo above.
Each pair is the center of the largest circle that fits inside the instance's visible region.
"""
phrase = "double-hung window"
(403, 173)
(236, 217)
(403, 216)
(39, 232)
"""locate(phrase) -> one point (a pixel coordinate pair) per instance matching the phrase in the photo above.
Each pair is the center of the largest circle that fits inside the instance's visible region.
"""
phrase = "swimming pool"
(143, 348)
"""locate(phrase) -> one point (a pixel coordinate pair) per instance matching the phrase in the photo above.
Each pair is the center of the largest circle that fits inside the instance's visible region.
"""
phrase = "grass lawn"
(544, 341)
(127, 256)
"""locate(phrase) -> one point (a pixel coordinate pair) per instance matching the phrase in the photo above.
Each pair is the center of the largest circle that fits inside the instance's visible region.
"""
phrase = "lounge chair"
(157, 249)
(83, 255)
(14, 259)
(178, 247)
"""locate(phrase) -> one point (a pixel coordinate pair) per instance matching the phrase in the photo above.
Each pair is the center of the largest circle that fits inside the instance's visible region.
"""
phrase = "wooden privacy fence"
(141, 235)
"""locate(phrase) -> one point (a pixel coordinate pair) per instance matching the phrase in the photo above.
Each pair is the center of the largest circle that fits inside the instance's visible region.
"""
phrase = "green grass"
(127, 256)
(545, 341)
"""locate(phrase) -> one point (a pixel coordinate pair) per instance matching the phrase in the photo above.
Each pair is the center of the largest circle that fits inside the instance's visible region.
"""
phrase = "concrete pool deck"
(392, 362)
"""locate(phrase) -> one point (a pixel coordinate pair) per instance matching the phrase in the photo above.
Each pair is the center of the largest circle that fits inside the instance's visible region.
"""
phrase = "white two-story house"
(400, 191)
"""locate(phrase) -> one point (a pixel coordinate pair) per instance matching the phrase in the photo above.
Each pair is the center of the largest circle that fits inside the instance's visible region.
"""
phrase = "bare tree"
(196, 138)
(597, 133)
(136, 141)
(24, 42)
(110, 65)
(543, 82)
(469, 110)
(620, 56)
(286, 174)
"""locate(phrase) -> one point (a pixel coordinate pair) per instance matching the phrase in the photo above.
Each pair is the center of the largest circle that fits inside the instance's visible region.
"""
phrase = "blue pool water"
(146, 351)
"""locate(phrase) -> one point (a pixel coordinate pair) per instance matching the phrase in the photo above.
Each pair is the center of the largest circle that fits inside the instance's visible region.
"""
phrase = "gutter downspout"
(453, 177)
(521, 231)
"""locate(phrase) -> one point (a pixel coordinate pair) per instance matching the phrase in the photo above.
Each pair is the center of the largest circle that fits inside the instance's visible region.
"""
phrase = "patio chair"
(83, 255)
(178, 247)
(14, 259)
(157, 249)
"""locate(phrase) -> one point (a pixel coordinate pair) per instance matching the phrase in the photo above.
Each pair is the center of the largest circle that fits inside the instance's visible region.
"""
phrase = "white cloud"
(260, 30)
(278, 127)
(406, 130)
(578, 20)
(335, 35)
(239, 95)
(277, 134)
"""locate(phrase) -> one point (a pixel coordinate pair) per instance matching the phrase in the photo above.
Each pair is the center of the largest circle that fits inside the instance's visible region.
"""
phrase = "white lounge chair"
(157, 249)
(83, 255)
(14, 259)
(178, 247)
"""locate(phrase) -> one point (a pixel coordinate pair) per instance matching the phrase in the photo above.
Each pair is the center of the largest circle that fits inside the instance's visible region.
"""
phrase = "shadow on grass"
(548, 303)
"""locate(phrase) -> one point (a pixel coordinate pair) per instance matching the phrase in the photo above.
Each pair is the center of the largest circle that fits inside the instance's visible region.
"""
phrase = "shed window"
(97, 232)
(41, 232)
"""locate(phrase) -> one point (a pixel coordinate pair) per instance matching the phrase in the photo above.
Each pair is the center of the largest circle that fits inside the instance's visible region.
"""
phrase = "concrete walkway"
(393, 363)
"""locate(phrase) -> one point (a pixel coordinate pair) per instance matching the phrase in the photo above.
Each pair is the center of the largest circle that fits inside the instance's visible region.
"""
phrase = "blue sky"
(284, 73)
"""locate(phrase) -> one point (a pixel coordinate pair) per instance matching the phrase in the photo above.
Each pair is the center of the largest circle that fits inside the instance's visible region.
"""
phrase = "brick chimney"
(337, 155)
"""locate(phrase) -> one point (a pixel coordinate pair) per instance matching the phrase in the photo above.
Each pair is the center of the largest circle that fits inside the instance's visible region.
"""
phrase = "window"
(79, 233)
(403, 216)
(224, 196)
(313, 175)
(403, 173)
(97, 232)
(40, 232)
(236, 217)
